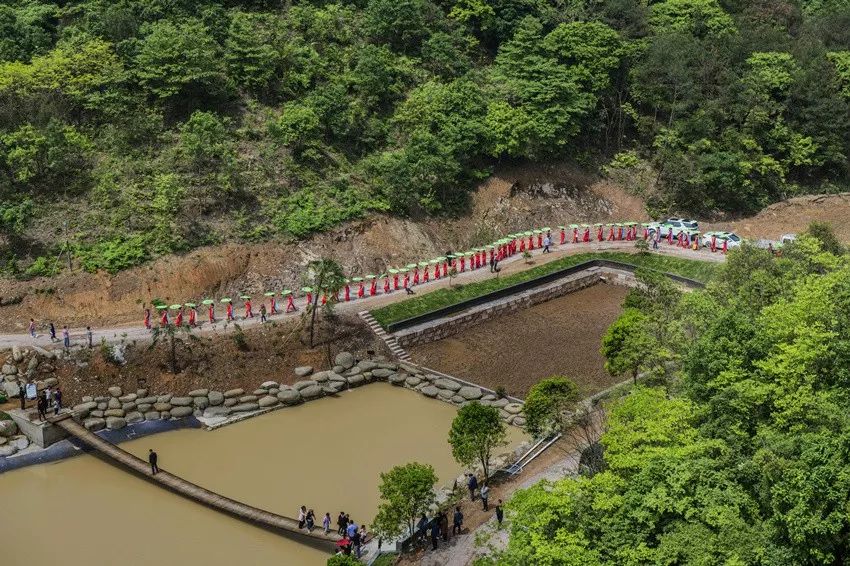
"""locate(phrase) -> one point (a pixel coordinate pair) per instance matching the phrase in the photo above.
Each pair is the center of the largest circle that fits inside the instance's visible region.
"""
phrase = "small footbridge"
(259, 517)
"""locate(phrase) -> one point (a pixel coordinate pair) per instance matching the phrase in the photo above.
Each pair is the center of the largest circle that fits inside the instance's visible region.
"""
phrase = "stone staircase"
(388, 339)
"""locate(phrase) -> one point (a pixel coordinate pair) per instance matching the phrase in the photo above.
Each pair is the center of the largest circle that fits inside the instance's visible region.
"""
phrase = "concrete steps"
(388, 339)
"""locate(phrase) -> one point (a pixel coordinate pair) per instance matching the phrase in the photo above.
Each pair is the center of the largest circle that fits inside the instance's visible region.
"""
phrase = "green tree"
(251, 49)
(406, 492)
(323, 276)
(548, 404)
(476, 431)
(181, 59)
(628, 346)
(45, 159)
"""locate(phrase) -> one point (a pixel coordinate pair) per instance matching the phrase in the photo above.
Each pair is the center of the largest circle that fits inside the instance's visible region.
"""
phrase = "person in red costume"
(347, 292)
(290, 304)
(272, 305)
(163, 320)
(563, 236)
(192, 316)
(249, 312)
(611, 233)
(230, 311)
(599, 233)
(211, 313)
(178, 321)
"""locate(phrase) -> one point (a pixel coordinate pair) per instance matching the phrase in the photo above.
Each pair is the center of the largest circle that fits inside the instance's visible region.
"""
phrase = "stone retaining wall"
(448, 326)
(118, 409)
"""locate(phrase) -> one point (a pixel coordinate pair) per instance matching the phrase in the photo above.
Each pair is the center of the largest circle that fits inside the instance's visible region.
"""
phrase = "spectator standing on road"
(22, 388)
(457, 522)
(52, 333)
(500, 513)
(263, 312)
(472, 484)
(485, 493)
(42, 407)
(547, 241)
(66, 336)
(57, 401)
(90, 337)
(32, 327)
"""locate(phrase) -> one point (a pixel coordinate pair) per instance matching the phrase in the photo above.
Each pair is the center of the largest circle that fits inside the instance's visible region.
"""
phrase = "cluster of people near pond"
(437, 527)
(353, 536)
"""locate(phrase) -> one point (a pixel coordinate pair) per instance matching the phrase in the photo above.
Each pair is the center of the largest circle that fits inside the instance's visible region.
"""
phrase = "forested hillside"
(740, 456)
(135, 128)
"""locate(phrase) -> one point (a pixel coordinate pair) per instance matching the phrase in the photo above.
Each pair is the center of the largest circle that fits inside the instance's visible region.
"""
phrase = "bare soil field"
(558, 337)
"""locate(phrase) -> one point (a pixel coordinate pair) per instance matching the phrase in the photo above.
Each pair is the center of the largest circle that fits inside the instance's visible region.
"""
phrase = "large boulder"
(513, 408)
(320, 376)
(115, 391)
(181, 401)
(94, 424)
(238, 392)
(135, 417)
(367, 365)
(248, 399)
(128, 397)
(8, 428)
(356, 380)
(144, 407)
(269, 384)
(96, 413)
(470, 393)
(152, 415)
(216, 398)
(259, 392)
(114, 413)
(147, 400)
(446, 393)
(268, 401)
(429, 391)
(303, 371)
(344, 359)
(42, 352)
(9, 369)
(127, 407)
(114, 423)
(83, 409)
(395, 378)
(499, 403)
(413, 381)
(11, 389)
(289, 396)
(382, 372)
(8, 450)
(21, 442)
(311, 392)
(200, 402)
(181, 411)
(113, 403)
(217, 412)
(449, 384)
(199, 393)
(245, 407)
(161, 407)
(17, 354)
(231, 402)
(165, 398)
(299, 385)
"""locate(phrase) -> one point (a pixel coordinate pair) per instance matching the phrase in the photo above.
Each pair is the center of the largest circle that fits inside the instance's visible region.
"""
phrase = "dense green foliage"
(547, 404)
(476, 431)
(406, 492)
(739, 457)
(401, 310)
(153, 126)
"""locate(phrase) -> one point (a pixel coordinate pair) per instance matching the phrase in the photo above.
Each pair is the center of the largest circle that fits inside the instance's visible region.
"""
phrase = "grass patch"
(385, 560)
(690, 268)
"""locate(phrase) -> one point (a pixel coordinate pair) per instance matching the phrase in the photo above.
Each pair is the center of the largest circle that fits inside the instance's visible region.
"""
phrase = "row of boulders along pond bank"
(118, 408)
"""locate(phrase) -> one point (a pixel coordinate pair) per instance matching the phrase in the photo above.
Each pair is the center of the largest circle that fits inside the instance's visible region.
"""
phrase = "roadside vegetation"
(702, 271)
(135, 129)
(733, 449)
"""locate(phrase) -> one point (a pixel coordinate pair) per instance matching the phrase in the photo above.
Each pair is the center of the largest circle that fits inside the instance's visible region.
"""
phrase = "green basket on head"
(573, 226)
(370, 277)
(393, 271)
(403, 270)
(226, 300)
(269, 294)
(546, 229)
(598, 224)
(306, 289)
(528, 233)
(410, 266)
(357, 279)
(190, 305)
(161, 307)
(175, 307)
(286, 292)
(424, 264)
(207, 302)
(244, 297)
(442, 258)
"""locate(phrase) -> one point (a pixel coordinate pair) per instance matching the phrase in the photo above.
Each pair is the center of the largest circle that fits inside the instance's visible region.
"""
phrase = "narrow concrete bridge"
(259, 517)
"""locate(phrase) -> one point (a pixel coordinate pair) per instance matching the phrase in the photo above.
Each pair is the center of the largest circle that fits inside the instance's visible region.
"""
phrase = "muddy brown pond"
(326, 455)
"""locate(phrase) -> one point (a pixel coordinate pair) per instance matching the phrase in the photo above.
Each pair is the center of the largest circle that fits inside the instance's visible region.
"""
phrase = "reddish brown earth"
(558, 337)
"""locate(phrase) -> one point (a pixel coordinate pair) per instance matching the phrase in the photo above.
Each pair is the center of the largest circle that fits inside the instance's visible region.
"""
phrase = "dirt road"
(137, 333)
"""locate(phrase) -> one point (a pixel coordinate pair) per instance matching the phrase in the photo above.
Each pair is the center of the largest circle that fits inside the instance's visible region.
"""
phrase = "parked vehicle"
(675, 225)
(733, 240)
